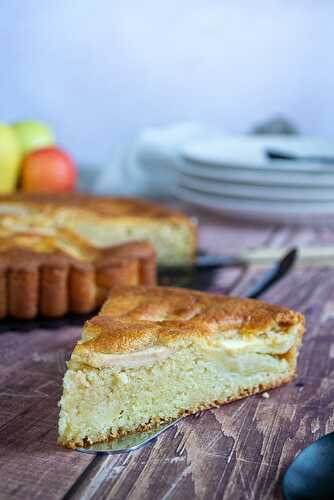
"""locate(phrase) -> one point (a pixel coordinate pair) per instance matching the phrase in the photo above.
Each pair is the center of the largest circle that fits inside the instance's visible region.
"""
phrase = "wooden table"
(239, 451)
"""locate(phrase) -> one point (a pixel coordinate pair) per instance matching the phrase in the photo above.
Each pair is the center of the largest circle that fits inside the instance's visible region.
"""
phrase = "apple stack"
(30, 160)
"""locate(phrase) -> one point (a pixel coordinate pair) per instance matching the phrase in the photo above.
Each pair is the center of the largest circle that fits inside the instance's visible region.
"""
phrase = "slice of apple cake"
(153, 354)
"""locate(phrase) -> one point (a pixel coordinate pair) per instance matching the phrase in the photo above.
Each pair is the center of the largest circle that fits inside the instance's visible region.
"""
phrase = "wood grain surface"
(238, 451)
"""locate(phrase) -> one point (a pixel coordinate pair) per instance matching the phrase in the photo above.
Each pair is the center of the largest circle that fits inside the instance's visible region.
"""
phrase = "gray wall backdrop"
(101, 70)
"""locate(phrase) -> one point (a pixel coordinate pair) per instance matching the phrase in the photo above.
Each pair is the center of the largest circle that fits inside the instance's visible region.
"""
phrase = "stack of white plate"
(235, 176)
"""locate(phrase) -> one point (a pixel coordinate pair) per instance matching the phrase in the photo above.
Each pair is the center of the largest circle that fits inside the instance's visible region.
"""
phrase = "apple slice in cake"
(155, 353)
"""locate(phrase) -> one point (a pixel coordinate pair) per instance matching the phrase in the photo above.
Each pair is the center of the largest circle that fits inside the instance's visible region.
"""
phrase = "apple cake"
(153, 354)
(52, 272)
(106, 221)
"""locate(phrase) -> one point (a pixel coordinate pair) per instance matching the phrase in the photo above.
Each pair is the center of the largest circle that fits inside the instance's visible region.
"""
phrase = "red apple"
(48, 170)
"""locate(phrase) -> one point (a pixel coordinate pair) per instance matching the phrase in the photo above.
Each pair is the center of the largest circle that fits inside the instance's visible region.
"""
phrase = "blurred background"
(99, 72)
(103, 74)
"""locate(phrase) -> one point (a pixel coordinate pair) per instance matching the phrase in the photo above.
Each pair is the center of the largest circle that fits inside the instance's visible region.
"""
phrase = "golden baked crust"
(100, 219)
(138, 318)
(53, 275)
(103, 206)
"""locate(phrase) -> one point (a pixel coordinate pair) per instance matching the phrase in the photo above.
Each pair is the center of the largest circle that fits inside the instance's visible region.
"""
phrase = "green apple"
(33, 135)
(10, 158)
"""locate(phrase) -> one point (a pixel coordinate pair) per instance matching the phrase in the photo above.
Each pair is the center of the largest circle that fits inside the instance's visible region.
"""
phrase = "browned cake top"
(57, 246)
(101, 206)
(136, 318)
(46, 241)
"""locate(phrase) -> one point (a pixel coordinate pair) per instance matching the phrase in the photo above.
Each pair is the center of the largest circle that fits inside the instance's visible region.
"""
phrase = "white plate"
(242, 176)
(248, 152)
(254, 192)
(266, 211)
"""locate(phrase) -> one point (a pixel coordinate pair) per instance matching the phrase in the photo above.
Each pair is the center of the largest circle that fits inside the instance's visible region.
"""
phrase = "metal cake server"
(132, 442)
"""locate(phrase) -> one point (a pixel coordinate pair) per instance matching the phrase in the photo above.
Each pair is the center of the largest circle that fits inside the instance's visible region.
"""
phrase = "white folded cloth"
(147, 166)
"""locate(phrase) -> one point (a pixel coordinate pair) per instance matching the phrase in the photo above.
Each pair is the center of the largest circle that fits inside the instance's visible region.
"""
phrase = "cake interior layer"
(101, 403)
(173, 241)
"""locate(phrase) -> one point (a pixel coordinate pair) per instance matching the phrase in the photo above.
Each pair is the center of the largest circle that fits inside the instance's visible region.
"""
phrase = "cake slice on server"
(155, 353)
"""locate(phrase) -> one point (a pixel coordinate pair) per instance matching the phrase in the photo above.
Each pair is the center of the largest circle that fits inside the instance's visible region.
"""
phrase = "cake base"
(86, 443)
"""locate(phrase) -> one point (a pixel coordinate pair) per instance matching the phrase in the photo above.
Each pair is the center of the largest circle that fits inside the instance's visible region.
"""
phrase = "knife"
(313, 256)
(275, 154)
